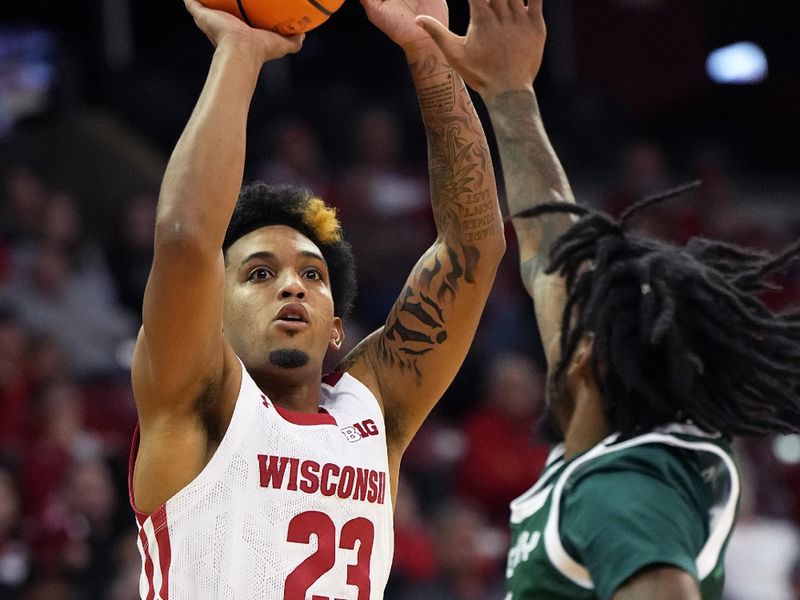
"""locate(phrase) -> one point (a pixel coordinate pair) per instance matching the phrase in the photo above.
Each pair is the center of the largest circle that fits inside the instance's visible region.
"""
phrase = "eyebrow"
(266, 255)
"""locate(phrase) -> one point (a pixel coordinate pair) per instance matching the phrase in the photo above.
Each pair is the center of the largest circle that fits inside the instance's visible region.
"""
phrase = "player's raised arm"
(414, 357)
(181, 349)
(500, 57)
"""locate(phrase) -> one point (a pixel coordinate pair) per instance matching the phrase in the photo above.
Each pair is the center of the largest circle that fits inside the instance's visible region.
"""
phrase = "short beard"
(559, 406)
(288, 359)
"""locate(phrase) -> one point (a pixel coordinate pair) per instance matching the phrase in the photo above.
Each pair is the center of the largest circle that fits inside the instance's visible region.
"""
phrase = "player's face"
(278, 312)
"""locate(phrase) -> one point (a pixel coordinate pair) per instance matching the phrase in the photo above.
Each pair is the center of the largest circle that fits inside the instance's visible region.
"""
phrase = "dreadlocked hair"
(679, 332)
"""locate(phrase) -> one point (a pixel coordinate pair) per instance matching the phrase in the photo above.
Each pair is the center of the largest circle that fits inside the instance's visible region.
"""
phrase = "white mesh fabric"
(228, 534)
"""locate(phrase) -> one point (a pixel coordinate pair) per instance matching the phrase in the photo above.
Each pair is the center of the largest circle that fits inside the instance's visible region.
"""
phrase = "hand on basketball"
(221, 27)
(395, 18)
(503, 48)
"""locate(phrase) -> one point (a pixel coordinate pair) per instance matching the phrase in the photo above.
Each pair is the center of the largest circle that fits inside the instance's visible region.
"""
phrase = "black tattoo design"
(465, 212)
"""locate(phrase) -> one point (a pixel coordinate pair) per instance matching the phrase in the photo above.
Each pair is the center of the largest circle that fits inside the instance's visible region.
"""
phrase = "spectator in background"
(501, 459)
(468, 552)
(51, 298)
(45, 360)
(127, 568)
(80, 526)
(296, 157)
(383, 199)
(130, 252)
(24, 197)
(414, 555)
(761, 549)
(60, 439)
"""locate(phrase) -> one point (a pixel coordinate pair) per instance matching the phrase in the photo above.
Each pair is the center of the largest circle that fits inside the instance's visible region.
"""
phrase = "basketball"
(288, 17)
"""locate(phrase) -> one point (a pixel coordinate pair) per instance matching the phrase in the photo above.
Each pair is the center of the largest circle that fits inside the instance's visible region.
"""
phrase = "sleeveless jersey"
(588, 524)
(292, 506)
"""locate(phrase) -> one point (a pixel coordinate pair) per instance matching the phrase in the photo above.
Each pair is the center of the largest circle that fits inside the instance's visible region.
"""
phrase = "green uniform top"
(666, 497)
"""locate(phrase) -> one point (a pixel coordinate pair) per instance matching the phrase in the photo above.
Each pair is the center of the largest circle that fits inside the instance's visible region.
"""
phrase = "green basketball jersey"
(667, 497)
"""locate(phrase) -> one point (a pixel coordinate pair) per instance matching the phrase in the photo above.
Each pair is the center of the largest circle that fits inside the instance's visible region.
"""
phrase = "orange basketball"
(289, 17)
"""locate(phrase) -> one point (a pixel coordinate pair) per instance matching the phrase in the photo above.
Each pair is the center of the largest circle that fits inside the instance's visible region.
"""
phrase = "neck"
(291, 395)
(587, 425)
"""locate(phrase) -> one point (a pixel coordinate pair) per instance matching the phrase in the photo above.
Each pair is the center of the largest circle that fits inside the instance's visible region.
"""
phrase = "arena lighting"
(787, 449)
(742, 63)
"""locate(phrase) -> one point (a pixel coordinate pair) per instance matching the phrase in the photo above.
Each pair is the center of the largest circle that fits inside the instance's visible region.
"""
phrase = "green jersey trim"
(722, 515)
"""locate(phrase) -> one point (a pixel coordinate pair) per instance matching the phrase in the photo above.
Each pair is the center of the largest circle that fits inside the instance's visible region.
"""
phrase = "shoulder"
(677, 455)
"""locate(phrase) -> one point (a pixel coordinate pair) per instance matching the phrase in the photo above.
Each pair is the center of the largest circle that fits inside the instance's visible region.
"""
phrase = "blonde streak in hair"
(322, 219)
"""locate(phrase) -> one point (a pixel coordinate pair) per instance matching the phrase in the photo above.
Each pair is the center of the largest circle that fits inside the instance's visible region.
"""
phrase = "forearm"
(204, 174)
(533, 175)
(463, 188)
(531, 169)
(530, 165)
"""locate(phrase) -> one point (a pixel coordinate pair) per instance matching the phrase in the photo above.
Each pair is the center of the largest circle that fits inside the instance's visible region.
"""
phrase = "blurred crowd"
(70, 307)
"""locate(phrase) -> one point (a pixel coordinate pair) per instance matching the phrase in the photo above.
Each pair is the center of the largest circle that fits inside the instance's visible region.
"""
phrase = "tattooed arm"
(414, 357)
(503, 75)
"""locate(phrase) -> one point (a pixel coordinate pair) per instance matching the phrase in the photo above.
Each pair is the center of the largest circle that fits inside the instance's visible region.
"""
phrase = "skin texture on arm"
(659, 583)
(181, 357)
(414, 357)
(503, 74)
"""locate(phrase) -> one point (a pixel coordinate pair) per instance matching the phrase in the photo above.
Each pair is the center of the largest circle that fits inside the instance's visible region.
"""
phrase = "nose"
(292, 287)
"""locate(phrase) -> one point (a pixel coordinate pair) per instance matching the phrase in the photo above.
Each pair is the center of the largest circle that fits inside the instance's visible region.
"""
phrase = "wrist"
(241, 49)
(422, 48)
(498, 93)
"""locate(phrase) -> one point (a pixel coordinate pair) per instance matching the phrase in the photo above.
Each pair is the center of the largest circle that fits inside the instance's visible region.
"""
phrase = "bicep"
(659, 583)
(180, 345)
(415, 356)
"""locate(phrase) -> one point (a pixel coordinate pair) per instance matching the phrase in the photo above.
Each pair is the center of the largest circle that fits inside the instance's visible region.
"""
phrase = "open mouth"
(293, 313)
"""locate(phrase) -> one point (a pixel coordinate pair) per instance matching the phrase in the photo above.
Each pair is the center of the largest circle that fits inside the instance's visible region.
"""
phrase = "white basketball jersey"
(292, 506)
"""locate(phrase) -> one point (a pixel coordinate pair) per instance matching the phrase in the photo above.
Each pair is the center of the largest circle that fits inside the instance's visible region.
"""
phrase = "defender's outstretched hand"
(219, 25)
(395, 18)
(503, 47)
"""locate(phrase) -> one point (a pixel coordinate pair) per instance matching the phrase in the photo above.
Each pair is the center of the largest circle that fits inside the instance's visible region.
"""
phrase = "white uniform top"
(292, 506)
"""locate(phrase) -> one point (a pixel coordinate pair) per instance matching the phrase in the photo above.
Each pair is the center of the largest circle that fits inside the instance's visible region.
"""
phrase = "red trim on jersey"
(161, 528)
(333, 378)
(148, 564)
(301, 418)
(141, 517)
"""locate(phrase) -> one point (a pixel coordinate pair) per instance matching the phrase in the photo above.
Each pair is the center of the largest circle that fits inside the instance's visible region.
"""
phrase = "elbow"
(495, 246)
(181, 232)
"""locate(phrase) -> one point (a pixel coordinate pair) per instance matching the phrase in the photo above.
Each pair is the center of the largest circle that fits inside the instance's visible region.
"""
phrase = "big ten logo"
(358, 431)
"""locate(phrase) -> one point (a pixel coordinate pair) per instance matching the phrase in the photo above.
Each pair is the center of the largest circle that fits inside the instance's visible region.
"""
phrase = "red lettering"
(372, 495)
(361, 484)
(327, 487)
(370, 427)
(294, 463)
(271, 470)
(346, 482)
(309, 471)
(382, 488)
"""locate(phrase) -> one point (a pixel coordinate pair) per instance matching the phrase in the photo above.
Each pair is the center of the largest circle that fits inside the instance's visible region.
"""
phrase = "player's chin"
(288, 358)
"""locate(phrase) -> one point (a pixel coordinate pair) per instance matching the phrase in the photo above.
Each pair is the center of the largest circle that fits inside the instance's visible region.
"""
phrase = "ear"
(337, 334)
(581, 364)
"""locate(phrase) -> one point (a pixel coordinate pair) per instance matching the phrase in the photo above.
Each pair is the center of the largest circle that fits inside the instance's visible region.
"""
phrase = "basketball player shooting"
(657, 356)
(253, 478)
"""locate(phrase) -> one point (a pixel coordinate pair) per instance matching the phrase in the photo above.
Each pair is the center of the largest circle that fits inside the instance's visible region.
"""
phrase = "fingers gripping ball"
(289, 17)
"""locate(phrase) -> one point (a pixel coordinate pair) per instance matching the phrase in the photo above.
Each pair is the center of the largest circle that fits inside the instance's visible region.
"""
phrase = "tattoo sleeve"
(533, 175)
(466, 211)
(532, 172)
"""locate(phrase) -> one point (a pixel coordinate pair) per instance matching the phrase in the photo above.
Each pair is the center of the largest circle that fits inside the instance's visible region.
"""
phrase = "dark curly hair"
(680, 333)
(260, 205)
